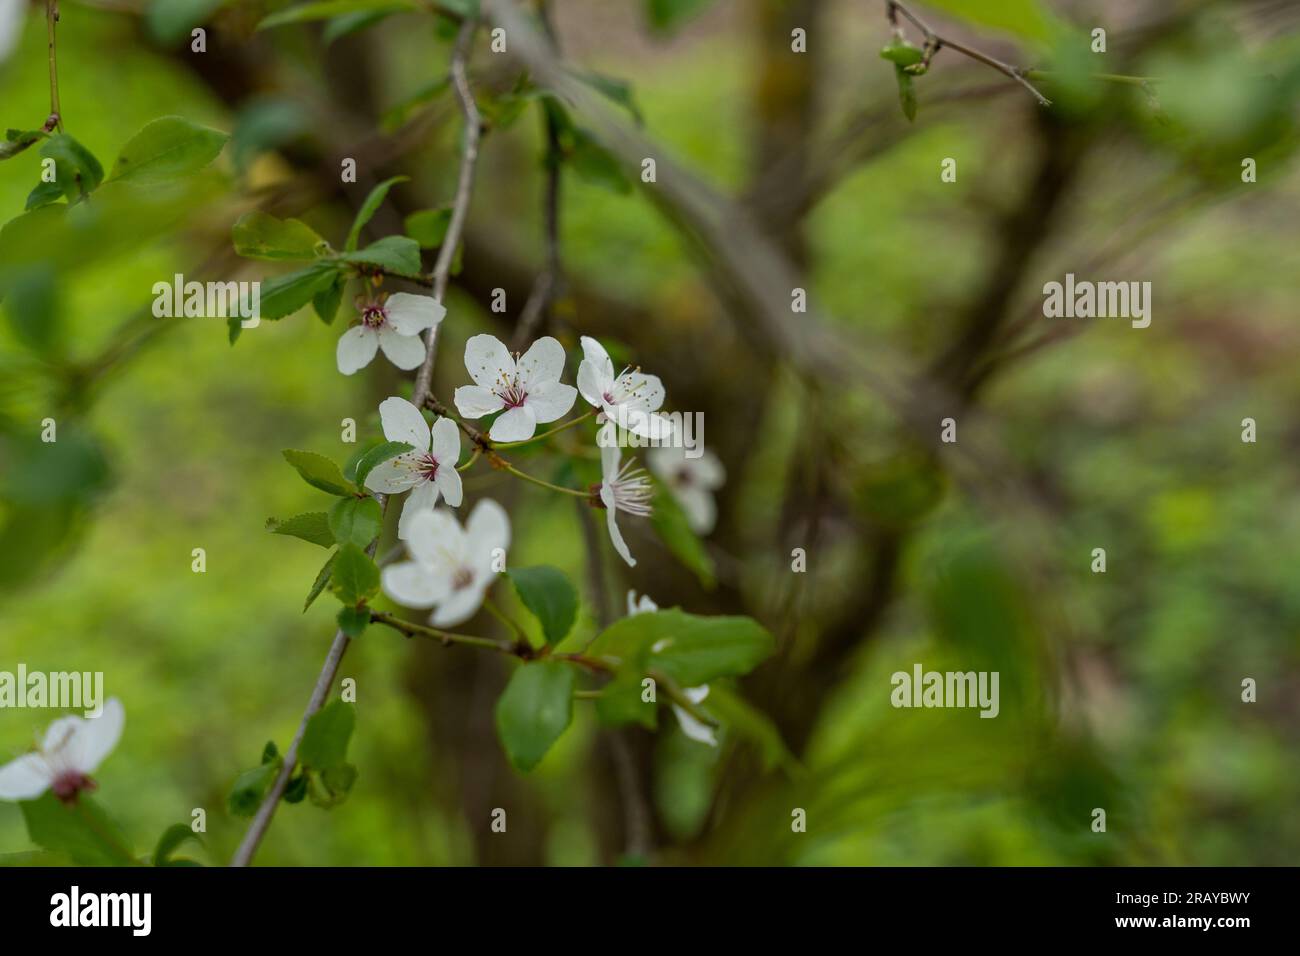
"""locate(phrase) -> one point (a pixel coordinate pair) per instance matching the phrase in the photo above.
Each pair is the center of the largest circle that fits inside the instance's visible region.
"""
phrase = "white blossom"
(528, 387)
(72, 750)
(630, 398)
(426, 471)
(691, 481)
(393, 326)
(451, 567)
(624, 488)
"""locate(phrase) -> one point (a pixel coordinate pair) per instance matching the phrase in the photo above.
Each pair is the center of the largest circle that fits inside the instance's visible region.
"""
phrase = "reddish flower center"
(68, 784)
(462, 579)
(373, 316)
(428, 467)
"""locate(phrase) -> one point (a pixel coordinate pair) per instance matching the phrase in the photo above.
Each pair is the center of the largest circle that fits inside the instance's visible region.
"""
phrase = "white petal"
(25, 778)
(592, 383)
(697, 503)
(458, 606)
(422, 498)
(414, 585)
(475, 401)
(644, 423)
(395, 475)
(448, 481)
(694, 729)
(404, 351)
(446, 442)
(636, 390)
(551, 400)
(412, 314)
(616, 536)
(402, 421)
(707, 470)
(430, 534)
(357, 347)
(594, 353)
(96, 737)
(517, 424)
(609, 456)
(488, 362)
(542, 363)
(643, 606)
(488, 527)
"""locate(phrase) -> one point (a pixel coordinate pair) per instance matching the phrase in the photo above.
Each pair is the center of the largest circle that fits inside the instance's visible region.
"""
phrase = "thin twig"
(934, 43)
(51, 18)
(464, 190)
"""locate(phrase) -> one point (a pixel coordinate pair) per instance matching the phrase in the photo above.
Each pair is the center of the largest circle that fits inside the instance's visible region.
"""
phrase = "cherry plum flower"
(393, 326)
(427, 471)
(528, 387)
(72, 750)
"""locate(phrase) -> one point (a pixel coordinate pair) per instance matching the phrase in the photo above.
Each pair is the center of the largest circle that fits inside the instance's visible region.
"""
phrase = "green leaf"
(594, 164)
(270, 753)
(171, 840)
(167, 149)
(377, 456)
(691, 650)
(296, 790)
(76, 170)
(902, 53)
(744, 720)
(330, 787)
(251, 787)
(326, 302)
(328, 9)
(399, 255)
(286, 294)
(319, 472)
(620, 701)
(258, 235)
(355, 520)
(1027, 19)
(534, 710)
(617, 91)
(43, 195)
(906, 93)
(369, 208)
(428, 227)
(81, 829)
(170, 21)
(325, 741)
(17, 140)
(322, 579)
(674, 530)
(31, 305)
(355, 577)
(353, 621)
(668, 15)
(550, 596)
(311, 526)
(350, 23)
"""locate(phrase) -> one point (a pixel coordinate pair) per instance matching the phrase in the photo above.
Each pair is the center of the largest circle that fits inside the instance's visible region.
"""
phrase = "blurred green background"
(1119, 691)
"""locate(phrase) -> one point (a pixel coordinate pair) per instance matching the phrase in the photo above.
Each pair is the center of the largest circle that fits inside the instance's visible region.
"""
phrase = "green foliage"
(1026, 19)
(326, 302)
(171, 840)
(398, 255)
(323, 754)
(368, 209)
(355, 520)
(329, 9)
(251, 787)
(674, 530)
(667, 15)
(319, 472)
(620, 701)
(534, 710)
(170, 21)
(167, 149)
(259, 235)
(550, 596)
(287, 294)
(17, 140)
(76, 172)
(428, 227)
(313, 526)
(377, 456)
(355, 576)
(322, 579)
(80, 829)
(689, 649)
